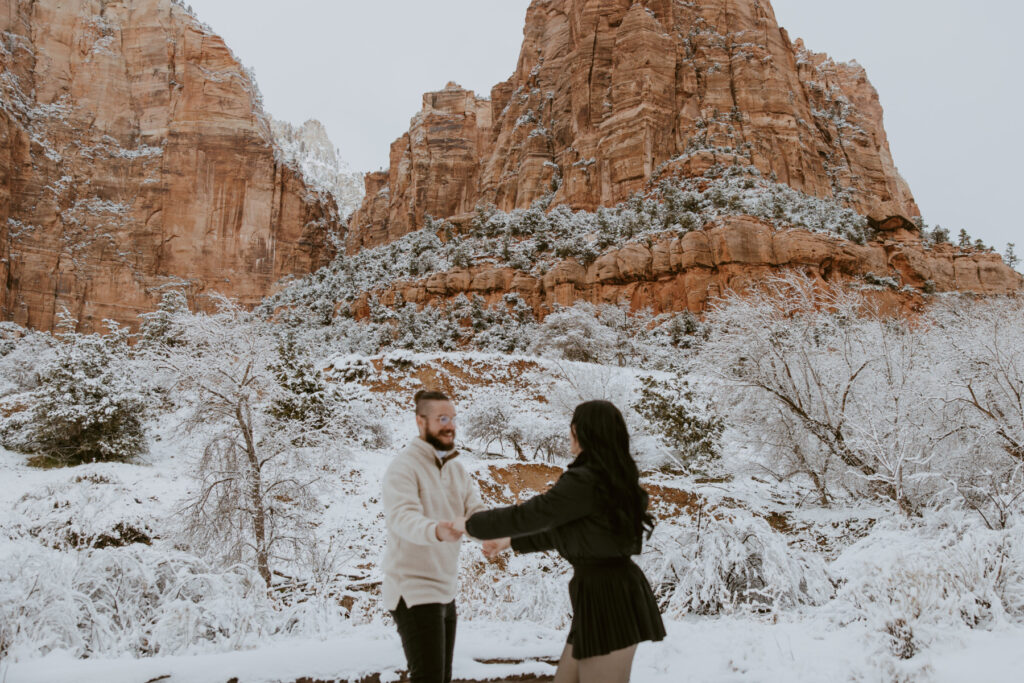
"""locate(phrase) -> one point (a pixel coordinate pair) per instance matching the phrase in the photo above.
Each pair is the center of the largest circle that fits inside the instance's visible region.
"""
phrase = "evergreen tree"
(940, 235)
(158, 327)
(1010, 256)
(963, 239)
(303, 392)
(87, 405)
(686, 424)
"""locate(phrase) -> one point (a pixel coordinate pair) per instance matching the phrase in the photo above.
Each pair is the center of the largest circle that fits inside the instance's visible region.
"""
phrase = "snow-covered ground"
(95, 584)
(697, 650)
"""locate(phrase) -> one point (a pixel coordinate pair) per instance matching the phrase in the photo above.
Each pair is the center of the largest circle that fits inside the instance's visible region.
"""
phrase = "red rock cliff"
(608, 93)
(134, 154)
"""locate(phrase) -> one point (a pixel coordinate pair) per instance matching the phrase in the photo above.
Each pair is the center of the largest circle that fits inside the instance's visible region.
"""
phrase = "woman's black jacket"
(572, 517)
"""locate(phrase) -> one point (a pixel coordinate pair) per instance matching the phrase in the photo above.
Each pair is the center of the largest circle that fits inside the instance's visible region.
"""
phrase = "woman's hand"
(496, 547)
(459, 524)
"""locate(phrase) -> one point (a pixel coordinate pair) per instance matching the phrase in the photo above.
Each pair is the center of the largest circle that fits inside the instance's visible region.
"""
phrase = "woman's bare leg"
(568, 668)
(613, 667)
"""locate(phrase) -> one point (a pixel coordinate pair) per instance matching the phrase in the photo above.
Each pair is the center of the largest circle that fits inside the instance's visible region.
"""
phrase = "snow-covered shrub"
(22, 352)
(506, 327)
(885, 281)
(499, 417)
(908, 582)
(574, 383)
(302, 395)
(424, 329)
(160, 327)
(87, 405)
(576, 334)
(729, 560)
(355, 418)
(87, 510)
(683, 420)
(489, 419)
(515, 588)
(135, 600)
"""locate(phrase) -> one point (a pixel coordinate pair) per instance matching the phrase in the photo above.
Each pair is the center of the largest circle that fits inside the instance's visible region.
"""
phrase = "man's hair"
(422, 396)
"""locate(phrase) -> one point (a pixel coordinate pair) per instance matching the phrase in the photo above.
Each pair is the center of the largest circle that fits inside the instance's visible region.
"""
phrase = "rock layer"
(686, 273)
(611, 94)
(134, 155)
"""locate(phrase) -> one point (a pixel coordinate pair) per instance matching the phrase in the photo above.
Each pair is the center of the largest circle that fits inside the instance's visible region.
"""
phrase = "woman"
(595, 516)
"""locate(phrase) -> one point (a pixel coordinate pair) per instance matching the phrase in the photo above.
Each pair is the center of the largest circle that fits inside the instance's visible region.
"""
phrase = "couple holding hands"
(595, 516)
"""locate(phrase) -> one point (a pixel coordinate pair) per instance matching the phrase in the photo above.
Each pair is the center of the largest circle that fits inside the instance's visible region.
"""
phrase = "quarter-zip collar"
(425, 450)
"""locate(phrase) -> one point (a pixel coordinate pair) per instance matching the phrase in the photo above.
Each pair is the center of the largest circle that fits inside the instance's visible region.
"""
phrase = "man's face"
(436, 421)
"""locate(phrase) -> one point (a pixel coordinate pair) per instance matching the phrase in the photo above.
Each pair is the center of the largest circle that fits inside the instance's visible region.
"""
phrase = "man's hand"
(496, 547)
(446, 531)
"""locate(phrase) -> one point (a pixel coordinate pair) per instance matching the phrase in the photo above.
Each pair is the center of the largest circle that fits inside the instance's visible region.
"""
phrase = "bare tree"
(785, 340)
(250, 490)
(849, 395)
(988, 337)
(984, 339)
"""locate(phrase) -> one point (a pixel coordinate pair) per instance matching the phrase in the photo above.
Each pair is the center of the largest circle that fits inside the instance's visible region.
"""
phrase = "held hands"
(451, 531)
(445, 531)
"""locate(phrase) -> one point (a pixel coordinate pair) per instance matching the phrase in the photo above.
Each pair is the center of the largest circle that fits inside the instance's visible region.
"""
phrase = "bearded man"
(424, 486)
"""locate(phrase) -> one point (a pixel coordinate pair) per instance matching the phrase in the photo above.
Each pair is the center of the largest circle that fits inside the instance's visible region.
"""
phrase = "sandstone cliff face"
(610, 94)
(134, 155)
(686, 273)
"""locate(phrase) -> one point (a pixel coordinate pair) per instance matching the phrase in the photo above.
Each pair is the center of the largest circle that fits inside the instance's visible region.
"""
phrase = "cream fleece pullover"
(420, 491)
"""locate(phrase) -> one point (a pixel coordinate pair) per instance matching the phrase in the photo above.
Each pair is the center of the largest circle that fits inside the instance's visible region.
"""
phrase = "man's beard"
(435, 439)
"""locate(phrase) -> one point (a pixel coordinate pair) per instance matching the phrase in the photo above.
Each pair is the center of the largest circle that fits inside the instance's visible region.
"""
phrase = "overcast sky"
(947, 71)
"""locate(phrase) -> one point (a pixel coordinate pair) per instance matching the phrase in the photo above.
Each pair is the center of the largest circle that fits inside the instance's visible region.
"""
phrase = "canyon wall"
(135, 155)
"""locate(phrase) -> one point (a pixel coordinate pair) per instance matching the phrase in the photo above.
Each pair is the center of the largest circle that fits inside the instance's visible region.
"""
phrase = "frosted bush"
(575, 383)
(532, 588)
(576, 334)
(22, 353)
(87, 510)
(823, 387)
(984, 382)
(357, 418)
(682, 419)
(729, 560)
(499, 417)
(942, 572)
(143, 601)
(134, 600)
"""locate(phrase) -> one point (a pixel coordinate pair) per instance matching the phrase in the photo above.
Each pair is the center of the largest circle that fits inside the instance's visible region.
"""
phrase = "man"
(424, 486)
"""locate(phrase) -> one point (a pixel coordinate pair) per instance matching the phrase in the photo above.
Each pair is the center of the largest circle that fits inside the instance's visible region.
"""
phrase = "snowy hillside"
(839, 497)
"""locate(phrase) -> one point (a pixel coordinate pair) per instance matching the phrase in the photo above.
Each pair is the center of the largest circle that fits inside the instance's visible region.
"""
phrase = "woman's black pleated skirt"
(613, 607)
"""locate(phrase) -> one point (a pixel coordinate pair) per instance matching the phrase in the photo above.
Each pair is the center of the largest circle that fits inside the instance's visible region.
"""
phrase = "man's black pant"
(428, 638)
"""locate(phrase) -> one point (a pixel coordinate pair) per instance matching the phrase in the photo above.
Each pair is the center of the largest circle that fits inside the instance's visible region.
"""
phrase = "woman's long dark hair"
(604, 440)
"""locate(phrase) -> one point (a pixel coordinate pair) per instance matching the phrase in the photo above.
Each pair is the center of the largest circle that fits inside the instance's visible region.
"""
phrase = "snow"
(697, 650)
(308, 148)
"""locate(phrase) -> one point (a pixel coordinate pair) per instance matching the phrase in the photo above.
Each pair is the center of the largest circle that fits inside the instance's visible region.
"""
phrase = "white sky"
(947, 71)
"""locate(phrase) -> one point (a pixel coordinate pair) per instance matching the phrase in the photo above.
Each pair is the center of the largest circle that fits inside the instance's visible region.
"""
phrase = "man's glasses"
(443, 420)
